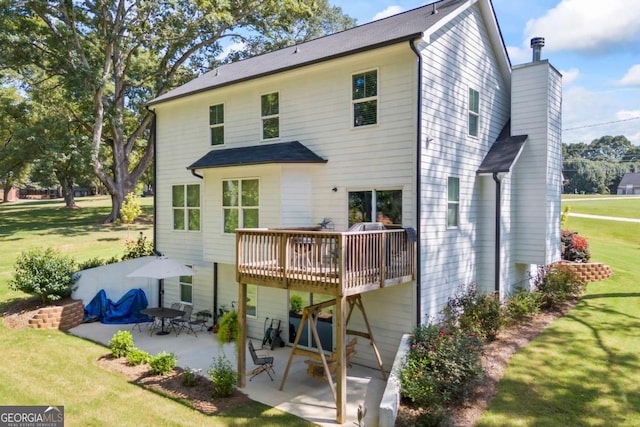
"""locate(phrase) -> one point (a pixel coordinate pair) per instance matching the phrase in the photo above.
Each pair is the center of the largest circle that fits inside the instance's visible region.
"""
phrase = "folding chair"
(184, 322)
(263, 363)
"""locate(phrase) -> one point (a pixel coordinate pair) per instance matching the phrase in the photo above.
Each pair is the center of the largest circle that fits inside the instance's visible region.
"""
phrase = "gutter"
(155, 176)
(496, 267)
(418, 180)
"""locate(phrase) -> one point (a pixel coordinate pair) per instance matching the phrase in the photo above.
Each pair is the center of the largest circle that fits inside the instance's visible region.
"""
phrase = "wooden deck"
(333, 263)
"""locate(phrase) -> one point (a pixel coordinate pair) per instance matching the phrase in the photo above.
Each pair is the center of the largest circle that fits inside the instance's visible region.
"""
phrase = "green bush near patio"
(163, 363)
(121, 344)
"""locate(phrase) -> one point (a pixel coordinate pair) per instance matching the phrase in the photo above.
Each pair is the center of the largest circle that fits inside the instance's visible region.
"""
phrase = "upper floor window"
(270, 112)
(364, 97)
(216, 123)
(383, 206)
(474, 112)
(240, 204)
(186, 207)
(453, 202)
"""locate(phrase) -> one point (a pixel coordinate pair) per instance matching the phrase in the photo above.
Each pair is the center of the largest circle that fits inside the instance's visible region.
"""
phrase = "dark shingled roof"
(502, 155)
(282, 152)
(630, 179)
(394, 29)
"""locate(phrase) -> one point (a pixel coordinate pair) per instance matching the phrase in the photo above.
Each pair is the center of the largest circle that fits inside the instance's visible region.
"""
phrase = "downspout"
(496, 273)
(216, 321)
(155, 177)
(418, 180)
(197, 175)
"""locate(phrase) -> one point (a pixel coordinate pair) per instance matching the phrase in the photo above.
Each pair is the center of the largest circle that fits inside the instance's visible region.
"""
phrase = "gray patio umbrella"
(161, 268)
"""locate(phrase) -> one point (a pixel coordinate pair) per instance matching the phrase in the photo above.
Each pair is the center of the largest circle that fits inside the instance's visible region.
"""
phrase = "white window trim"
(361, 100)
(216, 126)
(186, 209)
(273, 116)
(472, 113)
(240, 219)
(450, 202)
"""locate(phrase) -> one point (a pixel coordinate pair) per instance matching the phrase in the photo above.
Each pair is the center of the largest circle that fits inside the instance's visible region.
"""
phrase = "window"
(364, 97)
(240, 204)
(186, 207)
(375, 206)
(216, 123)
(474, 112)
(186, 289)
(453, 202)
(270, 115)
(252, 300)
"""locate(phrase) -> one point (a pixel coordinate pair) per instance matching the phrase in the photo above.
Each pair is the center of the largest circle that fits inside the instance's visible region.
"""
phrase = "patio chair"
(184, 321)
(263, 363)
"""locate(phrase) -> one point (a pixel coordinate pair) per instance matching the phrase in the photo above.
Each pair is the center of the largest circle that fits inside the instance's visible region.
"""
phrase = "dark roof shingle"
(282, 152)
(502, 155)
(394, 29)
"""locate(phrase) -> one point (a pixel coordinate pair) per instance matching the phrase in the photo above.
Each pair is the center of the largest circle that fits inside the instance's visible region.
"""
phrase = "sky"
(594, 44)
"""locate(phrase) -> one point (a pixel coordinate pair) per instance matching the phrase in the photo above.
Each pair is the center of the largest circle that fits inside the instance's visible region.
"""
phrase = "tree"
(325, 20)
(608, 148)
(16, 148)
(114, 55)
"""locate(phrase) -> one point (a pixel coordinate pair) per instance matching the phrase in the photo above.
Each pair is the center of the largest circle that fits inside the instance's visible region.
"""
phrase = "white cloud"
(391, 10)
(632, 78)
(569, 76)
(519, 55)
(233, 47)
(587, 25)
(588, 114)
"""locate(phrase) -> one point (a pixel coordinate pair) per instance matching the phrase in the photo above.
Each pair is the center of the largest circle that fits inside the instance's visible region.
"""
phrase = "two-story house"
(418, 121)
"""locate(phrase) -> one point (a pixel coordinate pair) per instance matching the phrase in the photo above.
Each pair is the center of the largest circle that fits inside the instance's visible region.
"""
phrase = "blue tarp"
(126, 310)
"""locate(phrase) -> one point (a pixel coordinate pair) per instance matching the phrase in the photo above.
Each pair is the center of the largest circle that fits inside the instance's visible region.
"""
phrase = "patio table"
(162, 313)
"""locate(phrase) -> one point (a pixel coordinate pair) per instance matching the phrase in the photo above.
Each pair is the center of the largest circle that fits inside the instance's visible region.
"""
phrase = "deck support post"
(341, 373)
(242, 338)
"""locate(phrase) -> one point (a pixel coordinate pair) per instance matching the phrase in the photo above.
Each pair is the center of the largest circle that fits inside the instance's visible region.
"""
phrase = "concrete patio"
(303, 396)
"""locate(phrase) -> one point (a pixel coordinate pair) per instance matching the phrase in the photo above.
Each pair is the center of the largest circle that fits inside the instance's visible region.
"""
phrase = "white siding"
(536, 111)
(315, 109)
(459, 56)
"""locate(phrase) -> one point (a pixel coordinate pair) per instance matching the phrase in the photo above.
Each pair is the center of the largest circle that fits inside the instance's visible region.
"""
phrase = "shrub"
(223, 377)
(121, 343)
(163, 363)
(441, 363)
(574, 247)
(229, 327)
(137, 357)
(138, 248)
(92, 263)
(475, 313)
(46, 273)
(295, 303)
(190, 377)
(130, 209)
(557, 283)
(522, 305)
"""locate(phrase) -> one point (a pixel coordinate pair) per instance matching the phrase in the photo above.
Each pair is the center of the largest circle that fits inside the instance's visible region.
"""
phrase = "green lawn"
(54, 368)
(621, 206)
(584, 370)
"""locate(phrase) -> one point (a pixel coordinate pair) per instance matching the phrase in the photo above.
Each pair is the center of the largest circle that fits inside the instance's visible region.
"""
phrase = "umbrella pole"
(160, 292)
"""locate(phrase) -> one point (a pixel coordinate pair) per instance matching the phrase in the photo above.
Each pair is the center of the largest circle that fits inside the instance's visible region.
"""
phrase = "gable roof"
(395, 29)
(282, 152)
(630, 179)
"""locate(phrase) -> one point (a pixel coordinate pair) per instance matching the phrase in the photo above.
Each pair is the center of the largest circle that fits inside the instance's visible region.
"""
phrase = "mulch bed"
(198, 396)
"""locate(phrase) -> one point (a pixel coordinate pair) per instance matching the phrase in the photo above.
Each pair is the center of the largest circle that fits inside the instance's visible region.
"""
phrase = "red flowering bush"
(574, 247)
(441, 363)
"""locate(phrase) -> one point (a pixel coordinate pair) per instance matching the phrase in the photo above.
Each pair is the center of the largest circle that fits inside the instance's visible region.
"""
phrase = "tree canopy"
(106, 58)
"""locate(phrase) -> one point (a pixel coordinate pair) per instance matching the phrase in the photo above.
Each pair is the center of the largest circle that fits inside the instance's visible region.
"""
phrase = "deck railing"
(334, 263)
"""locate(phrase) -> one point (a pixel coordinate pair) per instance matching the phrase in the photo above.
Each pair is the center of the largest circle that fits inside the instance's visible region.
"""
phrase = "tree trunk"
(67, 193)
(6, 188)
(116, 204)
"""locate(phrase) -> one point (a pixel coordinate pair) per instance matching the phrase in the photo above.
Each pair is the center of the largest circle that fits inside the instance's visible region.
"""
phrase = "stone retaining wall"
(64, 316)
(590, 271)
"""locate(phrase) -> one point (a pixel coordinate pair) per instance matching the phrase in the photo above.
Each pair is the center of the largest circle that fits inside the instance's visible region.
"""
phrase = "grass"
(621, 207)
(584, 370)
(54, 368)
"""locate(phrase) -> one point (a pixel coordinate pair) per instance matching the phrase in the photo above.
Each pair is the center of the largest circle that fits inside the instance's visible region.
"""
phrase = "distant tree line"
(599, 166)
